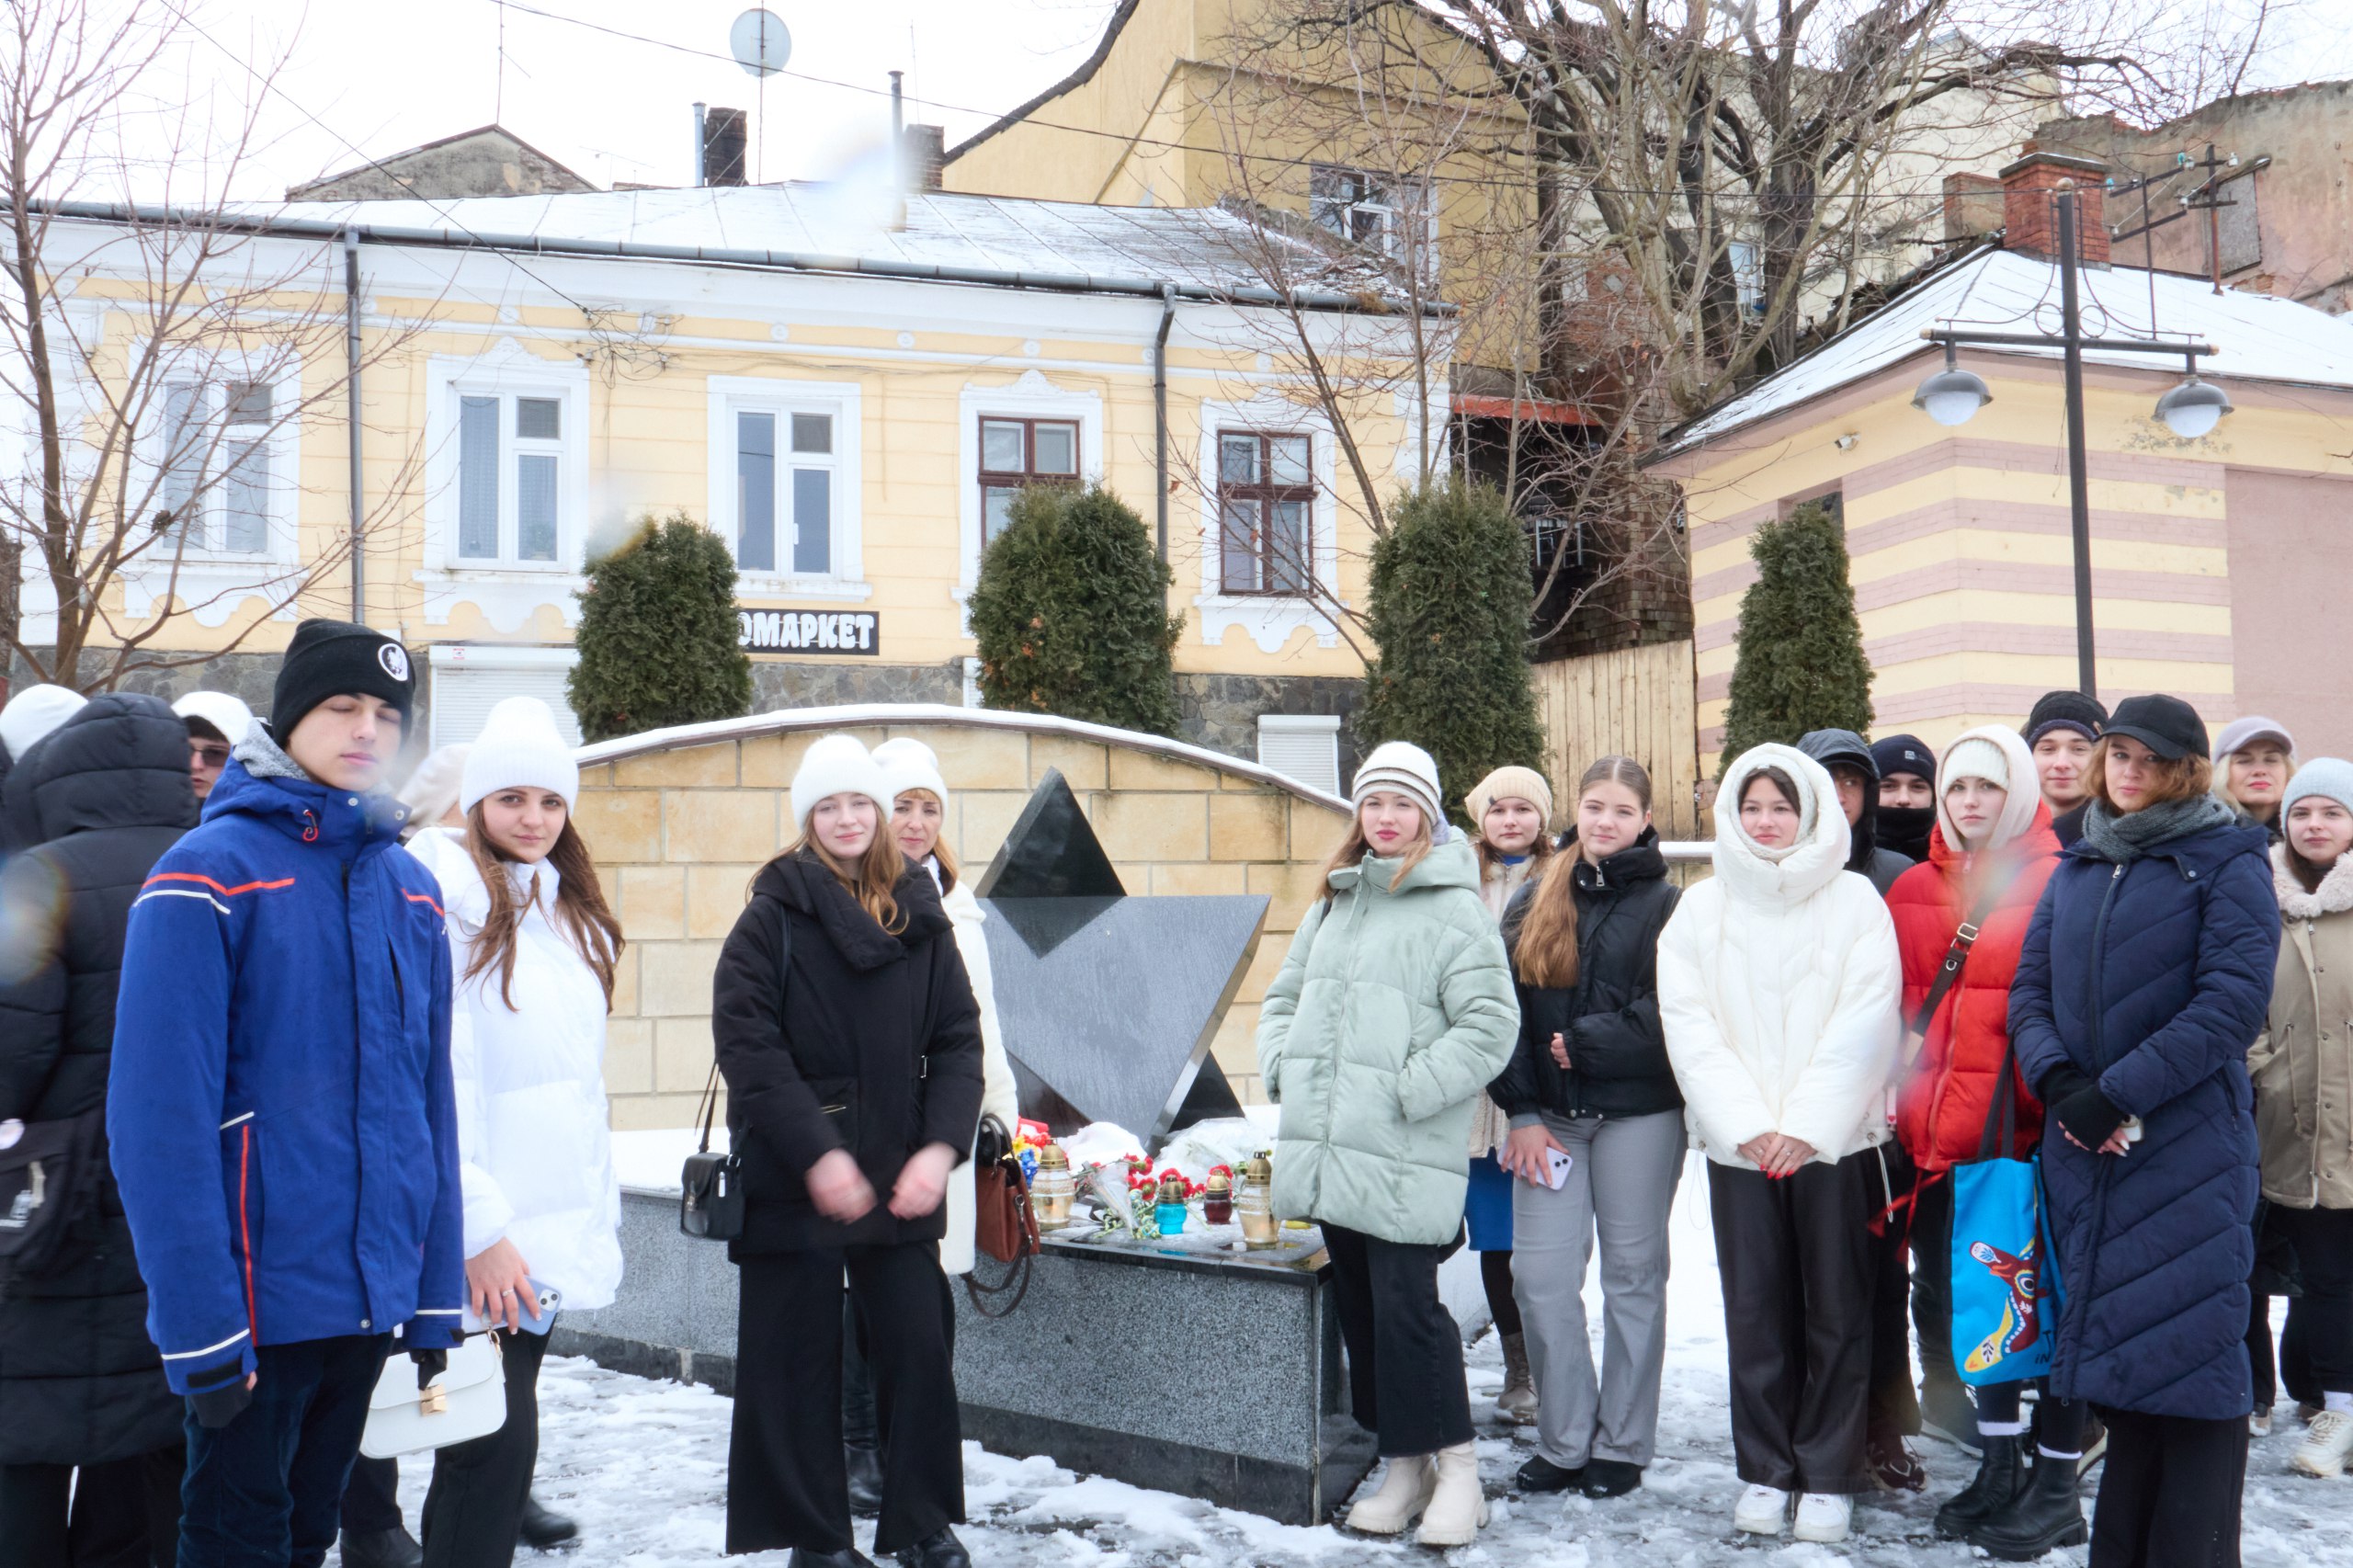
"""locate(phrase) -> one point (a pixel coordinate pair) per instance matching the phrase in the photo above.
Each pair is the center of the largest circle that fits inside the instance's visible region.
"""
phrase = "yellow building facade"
(848, 387)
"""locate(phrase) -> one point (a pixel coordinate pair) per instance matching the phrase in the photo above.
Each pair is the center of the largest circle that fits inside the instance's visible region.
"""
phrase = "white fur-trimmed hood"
(2334, 895)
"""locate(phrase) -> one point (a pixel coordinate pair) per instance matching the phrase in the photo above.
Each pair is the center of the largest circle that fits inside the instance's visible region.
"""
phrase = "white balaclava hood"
(1781, 875)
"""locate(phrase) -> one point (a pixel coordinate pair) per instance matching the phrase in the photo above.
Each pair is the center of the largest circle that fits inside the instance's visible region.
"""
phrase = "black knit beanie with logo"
(339, 658)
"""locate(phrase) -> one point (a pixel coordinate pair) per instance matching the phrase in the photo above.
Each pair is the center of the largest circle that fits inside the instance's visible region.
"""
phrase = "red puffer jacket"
(1949, 1087)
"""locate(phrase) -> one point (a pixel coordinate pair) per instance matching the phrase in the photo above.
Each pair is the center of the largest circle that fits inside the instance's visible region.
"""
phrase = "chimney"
(924, 155)
(724, 142)
(2030, 218)
(1972, 206)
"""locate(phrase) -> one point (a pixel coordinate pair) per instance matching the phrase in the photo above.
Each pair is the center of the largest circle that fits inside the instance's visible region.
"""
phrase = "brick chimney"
(925, 151)
(2030, 218)
(1972, 206)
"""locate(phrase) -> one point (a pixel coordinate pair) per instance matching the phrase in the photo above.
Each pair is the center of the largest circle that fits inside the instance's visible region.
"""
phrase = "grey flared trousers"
(1620, 1187)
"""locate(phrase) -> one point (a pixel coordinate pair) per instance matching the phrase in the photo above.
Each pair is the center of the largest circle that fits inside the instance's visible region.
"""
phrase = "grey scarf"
(2124, 839)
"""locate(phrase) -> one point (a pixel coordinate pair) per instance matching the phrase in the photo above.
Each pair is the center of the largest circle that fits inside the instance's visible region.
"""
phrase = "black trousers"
(1798, 1268)
(1932, 1280)
(2170, 1495)
(1405, 1382)
(787, 1482)
(371, 1498)
(123, 1514)
(2320, 1323)
(474, 1507)
(266, 1490)
(1895, 1405)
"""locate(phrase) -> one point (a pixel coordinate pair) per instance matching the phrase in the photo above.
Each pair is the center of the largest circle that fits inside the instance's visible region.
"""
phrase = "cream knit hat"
(1409, 770)
(519, 745)
(909, 764)
(837, 765)
(1508, 783)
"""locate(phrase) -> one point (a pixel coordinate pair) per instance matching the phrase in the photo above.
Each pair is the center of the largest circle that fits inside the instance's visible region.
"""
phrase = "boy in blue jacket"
(280, 1113)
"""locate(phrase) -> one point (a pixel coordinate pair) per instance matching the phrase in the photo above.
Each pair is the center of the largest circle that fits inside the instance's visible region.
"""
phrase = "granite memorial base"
(1213, 1374)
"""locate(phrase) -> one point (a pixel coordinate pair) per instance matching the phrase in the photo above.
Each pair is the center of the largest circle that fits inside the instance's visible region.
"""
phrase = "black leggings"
(1495, 1273)
(1405, 1382)
(2061, 1429)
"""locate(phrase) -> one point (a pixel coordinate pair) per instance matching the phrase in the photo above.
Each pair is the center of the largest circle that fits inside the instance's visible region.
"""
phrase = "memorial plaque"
(1108, 1002)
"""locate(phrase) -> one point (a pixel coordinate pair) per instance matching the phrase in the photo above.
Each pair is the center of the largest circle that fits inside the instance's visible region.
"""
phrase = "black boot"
(865, 1460)
(1541, 1474)
(395, 1547)
(543, 1528)
(2001, 1476)
(939, 1550)
(2043, 1516)
(1609, 1478)
(847, 1557)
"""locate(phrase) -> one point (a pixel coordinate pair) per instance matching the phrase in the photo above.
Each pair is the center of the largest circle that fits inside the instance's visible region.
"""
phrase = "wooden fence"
(1640, 701)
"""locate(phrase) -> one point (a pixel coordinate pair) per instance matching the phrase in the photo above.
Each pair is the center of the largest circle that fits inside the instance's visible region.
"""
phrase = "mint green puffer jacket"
(1393, 1010)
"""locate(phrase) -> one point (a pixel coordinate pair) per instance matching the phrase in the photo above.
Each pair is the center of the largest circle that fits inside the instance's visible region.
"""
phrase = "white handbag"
(466, 1402)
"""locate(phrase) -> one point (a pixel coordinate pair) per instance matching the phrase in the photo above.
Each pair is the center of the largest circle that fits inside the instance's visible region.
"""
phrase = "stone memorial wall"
(681, 819)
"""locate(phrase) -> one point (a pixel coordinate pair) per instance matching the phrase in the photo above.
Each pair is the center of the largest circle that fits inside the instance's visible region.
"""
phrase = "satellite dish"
(760, 42)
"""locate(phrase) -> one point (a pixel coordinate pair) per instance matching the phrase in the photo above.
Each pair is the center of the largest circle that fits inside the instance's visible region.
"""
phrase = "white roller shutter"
(1305, 747)
(469, 681)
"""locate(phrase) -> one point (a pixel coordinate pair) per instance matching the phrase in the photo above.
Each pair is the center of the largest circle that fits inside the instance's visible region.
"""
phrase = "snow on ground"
(642, 1466)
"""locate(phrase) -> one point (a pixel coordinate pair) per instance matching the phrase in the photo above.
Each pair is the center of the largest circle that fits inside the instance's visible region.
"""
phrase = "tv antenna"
(761, 45)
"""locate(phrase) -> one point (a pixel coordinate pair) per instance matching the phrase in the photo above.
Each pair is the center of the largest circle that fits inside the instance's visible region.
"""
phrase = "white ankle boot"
(1405, 1488)
(1762, 1510)
(1458, 1508)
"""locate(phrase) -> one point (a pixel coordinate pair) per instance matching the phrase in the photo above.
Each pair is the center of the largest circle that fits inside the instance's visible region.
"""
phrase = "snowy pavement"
(642, 1466)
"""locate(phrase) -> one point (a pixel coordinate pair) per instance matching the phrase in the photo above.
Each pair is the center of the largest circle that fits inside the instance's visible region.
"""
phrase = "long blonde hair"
(580, 912)
(872, 878)
(939, 850)
(1546, 952)
(1354, 847)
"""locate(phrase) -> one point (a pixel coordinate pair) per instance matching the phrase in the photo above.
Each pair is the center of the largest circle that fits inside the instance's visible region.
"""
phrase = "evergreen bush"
(1800, 665)
(658, 639)
(1452, 594)
(1071, 613)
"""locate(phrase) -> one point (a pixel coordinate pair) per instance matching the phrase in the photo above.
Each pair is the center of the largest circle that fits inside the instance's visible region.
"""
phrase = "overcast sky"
(367, 80)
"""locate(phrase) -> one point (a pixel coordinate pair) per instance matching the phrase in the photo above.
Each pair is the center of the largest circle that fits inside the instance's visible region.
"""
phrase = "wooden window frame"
(1267, 494)
(1015, 481)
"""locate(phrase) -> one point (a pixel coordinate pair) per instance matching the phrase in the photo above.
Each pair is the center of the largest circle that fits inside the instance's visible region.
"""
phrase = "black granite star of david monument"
(1108, 1002)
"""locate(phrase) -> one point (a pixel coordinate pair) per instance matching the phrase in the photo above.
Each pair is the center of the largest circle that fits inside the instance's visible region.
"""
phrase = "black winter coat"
(871, 1043)
(106, 794)
(1618, 1063)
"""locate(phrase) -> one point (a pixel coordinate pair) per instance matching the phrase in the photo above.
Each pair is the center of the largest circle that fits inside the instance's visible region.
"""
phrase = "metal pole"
(1160, 414)
(2079, 490)
(351, 397)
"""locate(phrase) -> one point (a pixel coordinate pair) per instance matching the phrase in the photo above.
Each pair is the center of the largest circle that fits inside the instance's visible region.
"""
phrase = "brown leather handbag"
(1002, 1224)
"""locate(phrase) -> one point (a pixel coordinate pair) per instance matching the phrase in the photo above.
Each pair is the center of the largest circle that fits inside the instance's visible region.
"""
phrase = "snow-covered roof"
(2257, 338)
(873, 715)
(1206, 249)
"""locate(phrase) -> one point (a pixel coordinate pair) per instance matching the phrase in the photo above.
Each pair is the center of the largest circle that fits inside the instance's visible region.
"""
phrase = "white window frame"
(506, 371)
(1271, 618)
(1409, 203)
(1033, 396)
(841, 402)
(282, 444)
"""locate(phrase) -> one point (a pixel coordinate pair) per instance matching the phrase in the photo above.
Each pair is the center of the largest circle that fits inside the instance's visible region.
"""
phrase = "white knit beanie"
(219, 710)
(1976, 756)
(519, 745)
(837, 765)
(1407, 769)
(433, 788)
(32, 714)
(909, 764)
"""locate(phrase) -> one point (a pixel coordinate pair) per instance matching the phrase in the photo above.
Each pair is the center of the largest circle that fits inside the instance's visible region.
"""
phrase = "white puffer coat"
(999, 1098)
(1778, 981)
(534, 1144)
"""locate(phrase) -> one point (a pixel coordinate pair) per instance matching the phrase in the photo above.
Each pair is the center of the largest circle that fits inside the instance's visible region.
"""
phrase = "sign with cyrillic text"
(855, 632)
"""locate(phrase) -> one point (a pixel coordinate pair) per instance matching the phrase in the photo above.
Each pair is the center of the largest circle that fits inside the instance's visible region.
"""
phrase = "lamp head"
(2193, 408)
(1953, 395)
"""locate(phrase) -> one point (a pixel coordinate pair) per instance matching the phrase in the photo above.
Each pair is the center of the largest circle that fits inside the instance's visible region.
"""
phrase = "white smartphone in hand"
(1556, 1169)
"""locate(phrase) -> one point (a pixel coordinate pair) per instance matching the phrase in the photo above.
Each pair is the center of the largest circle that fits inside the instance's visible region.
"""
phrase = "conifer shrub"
(1452, 595)
(1800, 663)
(658, 641)
(1071, 613)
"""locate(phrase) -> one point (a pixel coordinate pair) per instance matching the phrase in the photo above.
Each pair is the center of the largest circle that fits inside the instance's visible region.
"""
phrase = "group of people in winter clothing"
(345, 1098)
(2069, 932)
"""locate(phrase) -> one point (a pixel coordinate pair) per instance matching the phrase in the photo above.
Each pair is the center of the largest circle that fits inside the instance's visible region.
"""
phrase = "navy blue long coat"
(2154, 978)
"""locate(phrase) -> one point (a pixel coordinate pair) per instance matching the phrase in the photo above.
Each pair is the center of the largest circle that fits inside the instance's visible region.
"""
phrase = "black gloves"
(2073, 1099)
(430, 1364)
(217, 1394)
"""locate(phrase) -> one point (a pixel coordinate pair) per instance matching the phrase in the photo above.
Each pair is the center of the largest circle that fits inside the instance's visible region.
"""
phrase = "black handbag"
(47, 1174)
(711, 1186)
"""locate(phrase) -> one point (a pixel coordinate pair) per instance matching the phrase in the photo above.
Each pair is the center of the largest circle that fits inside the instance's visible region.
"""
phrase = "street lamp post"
(1953, 395)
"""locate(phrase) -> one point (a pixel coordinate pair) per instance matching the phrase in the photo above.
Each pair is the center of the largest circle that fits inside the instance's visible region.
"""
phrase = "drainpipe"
(699, 144)
(351, 416)
(1160, 410)
(898, 156)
